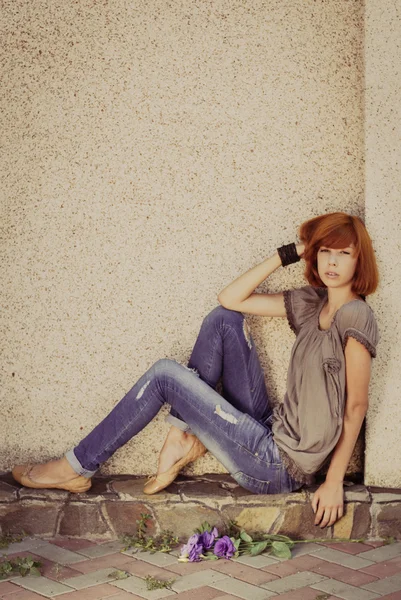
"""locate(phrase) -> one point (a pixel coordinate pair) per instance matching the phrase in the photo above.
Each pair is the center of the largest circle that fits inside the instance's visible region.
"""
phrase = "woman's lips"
(331, 275)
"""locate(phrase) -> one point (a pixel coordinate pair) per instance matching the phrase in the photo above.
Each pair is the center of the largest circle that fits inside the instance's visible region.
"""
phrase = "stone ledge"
(113, 504)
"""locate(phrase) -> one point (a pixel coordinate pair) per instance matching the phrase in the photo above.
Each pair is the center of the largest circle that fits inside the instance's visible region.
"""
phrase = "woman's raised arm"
(239, 295)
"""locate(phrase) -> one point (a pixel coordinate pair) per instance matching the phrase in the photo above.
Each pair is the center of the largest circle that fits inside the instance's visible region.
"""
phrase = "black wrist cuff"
(288, 254)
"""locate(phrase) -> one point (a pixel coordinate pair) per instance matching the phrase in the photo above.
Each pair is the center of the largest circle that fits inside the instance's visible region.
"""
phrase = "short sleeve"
(301, 305)
(357, 320)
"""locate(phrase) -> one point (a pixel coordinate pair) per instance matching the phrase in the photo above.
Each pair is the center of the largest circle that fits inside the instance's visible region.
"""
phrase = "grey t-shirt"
(308, 423)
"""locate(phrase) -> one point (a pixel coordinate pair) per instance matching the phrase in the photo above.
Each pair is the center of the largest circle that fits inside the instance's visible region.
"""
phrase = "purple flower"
(224, 548)
(207, 538)
(193, 549)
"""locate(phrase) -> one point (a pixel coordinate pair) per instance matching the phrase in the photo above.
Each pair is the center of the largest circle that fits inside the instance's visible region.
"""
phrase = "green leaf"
(204, 527)
(279, 538)
(245, 536)
(281, 550)
(237, 543)
(258, 548)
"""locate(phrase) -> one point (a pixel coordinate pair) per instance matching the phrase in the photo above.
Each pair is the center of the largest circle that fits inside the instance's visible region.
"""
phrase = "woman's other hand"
(328, 503)
(300, 249)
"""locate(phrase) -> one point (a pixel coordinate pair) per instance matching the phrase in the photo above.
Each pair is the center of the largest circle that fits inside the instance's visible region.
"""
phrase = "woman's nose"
(332, 259)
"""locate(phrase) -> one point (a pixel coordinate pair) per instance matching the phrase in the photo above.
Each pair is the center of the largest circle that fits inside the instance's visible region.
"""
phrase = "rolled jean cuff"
(76, 465)
(178, 423)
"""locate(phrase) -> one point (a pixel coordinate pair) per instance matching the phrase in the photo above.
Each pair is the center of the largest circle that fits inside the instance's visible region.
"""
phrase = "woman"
(325, 404)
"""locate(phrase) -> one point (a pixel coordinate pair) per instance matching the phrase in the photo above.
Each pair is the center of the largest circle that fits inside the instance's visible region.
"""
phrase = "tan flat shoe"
(76, 485)
(156, 483)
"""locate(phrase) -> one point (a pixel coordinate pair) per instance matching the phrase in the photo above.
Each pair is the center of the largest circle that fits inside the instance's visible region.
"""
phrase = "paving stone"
(341, 558)
(89, 579)
(101, 549)
(25, 545)
(385, 586)
(125, 596)
(192, 567)
(344, 591)
(256, 562)
(117, 561)
(42, 585)
(207, 577)
(305, 593)
(137, 586)
(242, 589)
(73, 544)
(23, 595)
(307, 562)
(159, 559)
(53, 570)
(121, 595)
(349, 547)
(293, 582)
(6, 587)
(340, 573)
(383, 553)
(394, 596)
(305, 548)
(143, 569)
(57, 554)
(376, 543)
(224, 597)
(96, 592)
(242, 572)
(385, 568)
(282, 569)
(202, 593)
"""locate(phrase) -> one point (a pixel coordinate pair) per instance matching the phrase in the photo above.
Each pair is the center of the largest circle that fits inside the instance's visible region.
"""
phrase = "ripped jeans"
(235, 428)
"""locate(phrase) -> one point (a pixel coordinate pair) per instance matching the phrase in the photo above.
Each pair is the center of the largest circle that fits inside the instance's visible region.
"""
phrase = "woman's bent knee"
(165, 366)
(221, 315)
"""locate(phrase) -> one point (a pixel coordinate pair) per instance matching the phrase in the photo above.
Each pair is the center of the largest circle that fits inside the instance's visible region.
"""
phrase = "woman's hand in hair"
(328, 503)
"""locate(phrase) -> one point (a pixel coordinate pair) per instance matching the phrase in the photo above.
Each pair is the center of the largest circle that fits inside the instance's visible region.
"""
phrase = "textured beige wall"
(383, 217)
(153, 152)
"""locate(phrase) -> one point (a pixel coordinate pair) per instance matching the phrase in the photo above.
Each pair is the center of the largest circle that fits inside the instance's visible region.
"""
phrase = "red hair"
(339, 230)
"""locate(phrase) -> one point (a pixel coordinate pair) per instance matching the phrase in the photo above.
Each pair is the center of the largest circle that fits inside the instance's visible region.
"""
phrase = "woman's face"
(336, 267)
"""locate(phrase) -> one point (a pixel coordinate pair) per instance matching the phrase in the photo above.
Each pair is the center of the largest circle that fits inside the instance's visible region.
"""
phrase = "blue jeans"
(235, 428)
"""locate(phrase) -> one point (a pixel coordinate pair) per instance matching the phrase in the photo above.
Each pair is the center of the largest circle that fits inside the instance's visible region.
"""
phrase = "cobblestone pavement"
(76, 569)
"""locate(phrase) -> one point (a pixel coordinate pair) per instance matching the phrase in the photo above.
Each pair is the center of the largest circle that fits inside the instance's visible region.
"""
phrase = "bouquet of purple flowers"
(207, 544)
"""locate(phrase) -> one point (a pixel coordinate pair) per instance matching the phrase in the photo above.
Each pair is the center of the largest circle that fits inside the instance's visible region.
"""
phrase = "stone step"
(114, 504)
